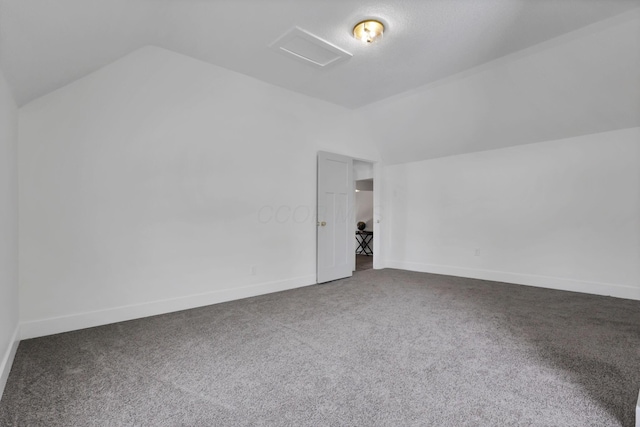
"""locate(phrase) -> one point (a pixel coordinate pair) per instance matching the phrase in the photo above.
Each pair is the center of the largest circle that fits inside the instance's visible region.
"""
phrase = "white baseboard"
(55, 325)
(638, 411)
(7, 360)
(607, 289)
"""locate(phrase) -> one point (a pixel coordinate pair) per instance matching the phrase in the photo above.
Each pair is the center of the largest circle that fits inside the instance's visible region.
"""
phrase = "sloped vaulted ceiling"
(578, 84)
(449, 77)
(46, 44)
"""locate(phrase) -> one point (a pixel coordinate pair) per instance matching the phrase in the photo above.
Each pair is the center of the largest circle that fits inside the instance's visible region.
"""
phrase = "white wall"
(8, 230)
(581, 83)
(362, 170)
(562, 214)
(364, 208)
(156, 183)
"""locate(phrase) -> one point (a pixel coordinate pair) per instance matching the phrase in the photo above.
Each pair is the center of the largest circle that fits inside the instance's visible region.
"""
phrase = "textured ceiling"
(47, 44)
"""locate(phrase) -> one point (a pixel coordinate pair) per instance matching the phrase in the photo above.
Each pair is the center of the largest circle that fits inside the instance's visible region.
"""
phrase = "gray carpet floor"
(364, 262)
(383, 348)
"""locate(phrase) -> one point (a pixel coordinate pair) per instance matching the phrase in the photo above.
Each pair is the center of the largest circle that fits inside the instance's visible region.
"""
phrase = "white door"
(335, 201)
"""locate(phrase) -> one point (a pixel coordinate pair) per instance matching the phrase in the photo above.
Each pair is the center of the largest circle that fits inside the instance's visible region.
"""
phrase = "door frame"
(377, 212)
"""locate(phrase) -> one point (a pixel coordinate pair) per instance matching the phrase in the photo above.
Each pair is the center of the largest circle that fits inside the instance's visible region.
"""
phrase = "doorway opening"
(339, 239)
(364, 248)
(364, 224)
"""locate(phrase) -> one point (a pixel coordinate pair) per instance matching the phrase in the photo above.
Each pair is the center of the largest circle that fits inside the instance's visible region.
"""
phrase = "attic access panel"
(307, 48)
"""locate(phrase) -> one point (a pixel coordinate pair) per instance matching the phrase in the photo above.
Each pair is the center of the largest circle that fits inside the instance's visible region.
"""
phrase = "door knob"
(322, 224)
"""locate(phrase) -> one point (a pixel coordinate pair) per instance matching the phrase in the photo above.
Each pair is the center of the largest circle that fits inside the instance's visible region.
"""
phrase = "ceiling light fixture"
(368, 31)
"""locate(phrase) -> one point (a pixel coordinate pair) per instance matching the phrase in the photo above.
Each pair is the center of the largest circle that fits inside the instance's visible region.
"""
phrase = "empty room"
(314, 213)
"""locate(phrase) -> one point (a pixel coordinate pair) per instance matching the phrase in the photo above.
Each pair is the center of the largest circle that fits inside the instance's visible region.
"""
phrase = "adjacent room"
(310, 213)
